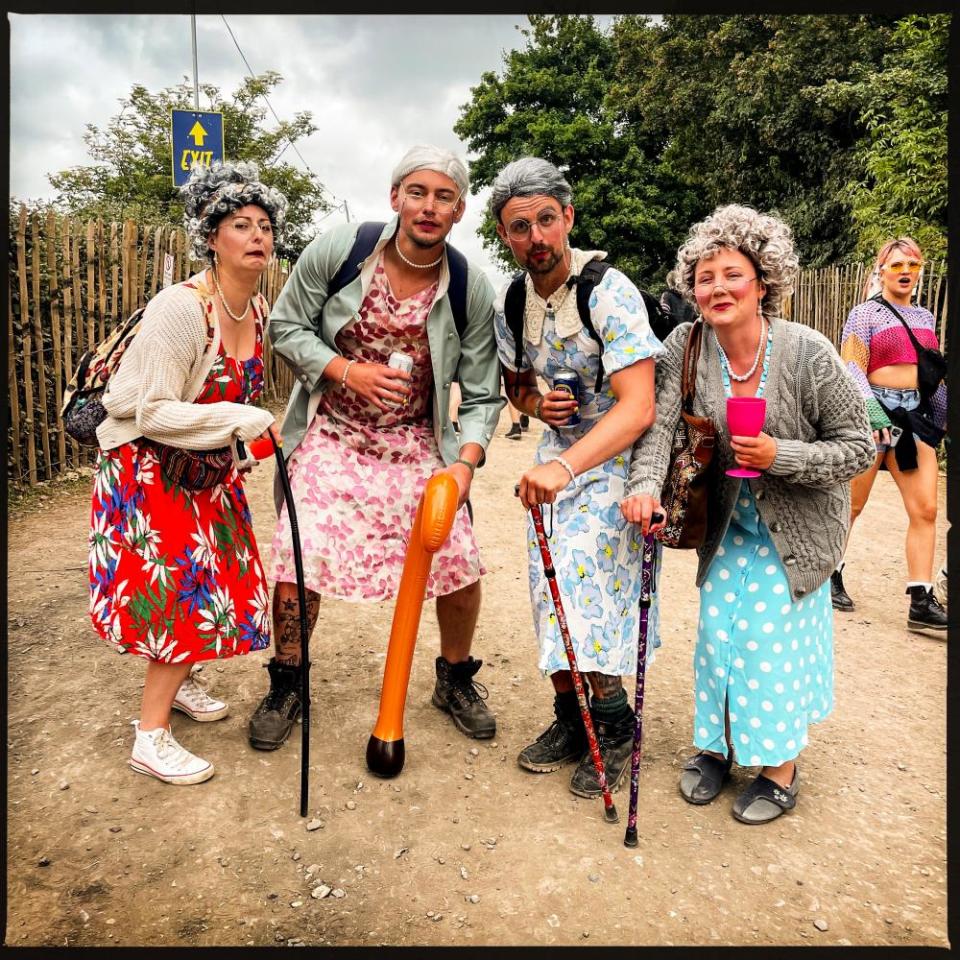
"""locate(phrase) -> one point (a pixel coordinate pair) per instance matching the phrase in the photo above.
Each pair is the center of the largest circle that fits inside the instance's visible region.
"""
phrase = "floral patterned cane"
(647, 588)
(610, 811)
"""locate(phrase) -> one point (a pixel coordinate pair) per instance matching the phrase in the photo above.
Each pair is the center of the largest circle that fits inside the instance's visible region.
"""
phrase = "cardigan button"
(759, 494)
(800, 591)
(790, 560)
(776, 526)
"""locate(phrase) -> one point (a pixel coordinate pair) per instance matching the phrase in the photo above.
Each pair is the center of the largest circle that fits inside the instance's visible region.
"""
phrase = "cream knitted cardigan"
(163, 371)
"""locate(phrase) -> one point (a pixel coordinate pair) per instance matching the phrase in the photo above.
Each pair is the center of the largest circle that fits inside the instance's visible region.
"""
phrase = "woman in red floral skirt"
(175, 575)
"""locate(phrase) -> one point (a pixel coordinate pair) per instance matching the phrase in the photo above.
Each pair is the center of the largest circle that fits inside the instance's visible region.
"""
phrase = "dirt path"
(464, 847)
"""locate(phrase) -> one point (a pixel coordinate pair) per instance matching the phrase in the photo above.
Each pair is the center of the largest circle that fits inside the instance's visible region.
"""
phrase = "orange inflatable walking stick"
(431, 527)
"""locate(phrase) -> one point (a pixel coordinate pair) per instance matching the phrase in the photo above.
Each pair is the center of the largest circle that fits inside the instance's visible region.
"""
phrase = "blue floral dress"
(770, 658)
(596, 553)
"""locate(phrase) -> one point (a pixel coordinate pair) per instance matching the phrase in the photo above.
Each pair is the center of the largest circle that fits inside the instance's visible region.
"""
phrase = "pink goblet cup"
(745, 416)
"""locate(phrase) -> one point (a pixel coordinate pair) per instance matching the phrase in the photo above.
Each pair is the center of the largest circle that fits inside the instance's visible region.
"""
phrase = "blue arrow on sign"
(197, 140)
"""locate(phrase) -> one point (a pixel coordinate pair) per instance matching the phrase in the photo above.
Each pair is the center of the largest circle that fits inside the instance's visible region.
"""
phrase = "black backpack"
(367, 236)
(589, 277)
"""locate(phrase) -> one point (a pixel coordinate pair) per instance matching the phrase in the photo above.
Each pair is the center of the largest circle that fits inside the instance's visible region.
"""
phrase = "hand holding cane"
(646, 590)
(260, 449)
(610, 811)
(431, 527)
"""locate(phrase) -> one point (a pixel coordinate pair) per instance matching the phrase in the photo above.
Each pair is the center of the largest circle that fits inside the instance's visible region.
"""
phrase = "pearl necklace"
(410, 263)
(226, 306)
(756, 359)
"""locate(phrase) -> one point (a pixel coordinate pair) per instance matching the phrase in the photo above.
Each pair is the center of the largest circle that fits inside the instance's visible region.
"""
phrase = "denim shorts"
(891, 398)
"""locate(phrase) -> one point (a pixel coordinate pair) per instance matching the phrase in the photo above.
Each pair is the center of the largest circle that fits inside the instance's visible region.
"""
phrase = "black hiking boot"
(838, 595)
(926, 614)
(273, 720)
(514, 432)
(524, 422)
(615, 738)
(458, 694)
(562, 742)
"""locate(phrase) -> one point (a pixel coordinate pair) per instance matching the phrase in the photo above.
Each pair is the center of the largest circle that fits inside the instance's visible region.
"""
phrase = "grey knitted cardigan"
(818, 418)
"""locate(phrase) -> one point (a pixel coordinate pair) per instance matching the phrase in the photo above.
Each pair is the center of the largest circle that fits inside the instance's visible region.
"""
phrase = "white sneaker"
(940, 587)
(157, 754)
(196, 703)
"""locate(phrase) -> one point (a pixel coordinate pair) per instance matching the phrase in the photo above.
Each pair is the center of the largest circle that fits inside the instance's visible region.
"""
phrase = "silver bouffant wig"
(763, 239)
(427, 157)
(528, 177)
(215, 191)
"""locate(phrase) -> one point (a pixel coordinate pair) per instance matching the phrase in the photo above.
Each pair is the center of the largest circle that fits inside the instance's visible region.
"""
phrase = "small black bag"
(931, 364)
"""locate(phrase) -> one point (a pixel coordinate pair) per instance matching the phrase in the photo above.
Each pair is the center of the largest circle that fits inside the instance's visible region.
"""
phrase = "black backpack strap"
(513, 304)
(367, 236)
(589, 277)
(457, 291)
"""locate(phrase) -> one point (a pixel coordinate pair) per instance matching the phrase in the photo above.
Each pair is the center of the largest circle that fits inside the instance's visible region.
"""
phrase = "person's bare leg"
(457, 615)
(160, 686)
(918, 488)
(286, 622)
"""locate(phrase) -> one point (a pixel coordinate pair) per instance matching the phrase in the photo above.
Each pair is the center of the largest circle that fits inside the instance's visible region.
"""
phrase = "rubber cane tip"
(630, 838)
(385, 757)
(611, 814)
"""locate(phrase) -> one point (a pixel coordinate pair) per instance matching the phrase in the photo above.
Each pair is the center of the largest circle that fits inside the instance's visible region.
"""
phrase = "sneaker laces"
(194, 694)
(169, 750)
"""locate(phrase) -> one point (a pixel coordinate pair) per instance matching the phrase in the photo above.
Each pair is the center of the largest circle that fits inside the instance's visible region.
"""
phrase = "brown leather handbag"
(685, 491)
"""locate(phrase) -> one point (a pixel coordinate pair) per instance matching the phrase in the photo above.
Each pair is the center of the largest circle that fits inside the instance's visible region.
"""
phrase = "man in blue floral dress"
(580, 469)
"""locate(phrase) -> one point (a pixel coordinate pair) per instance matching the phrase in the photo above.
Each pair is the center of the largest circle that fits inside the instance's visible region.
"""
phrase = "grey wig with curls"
(215, 191)
(763, 239)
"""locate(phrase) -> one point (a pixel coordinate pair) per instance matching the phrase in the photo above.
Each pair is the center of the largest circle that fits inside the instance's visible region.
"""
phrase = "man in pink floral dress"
(363, 438)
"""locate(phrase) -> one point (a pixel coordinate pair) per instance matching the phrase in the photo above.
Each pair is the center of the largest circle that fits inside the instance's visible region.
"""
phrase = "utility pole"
(346, 211)
(196, 88)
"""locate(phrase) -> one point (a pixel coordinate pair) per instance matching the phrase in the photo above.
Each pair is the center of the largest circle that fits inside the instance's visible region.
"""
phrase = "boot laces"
(467, 690)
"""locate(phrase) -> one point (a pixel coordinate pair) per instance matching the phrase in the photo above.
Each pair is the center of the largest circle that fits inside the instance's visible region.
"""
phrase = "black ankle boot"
(273, 720)
(563, 741)
(458, 694)
(926, 615)
(838, 595)
(615, 738)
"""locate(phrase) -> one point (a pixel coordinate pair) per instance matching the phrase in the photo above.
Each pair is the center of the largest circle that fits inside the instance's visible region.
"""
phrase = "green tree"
(735, 105)
(130, 175)
(902, 187)
(551, 101)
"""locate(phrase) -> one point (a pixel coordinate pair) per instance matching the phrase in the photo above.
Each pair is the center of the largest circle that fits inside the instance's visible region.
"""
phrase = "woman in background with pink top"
(880, 355)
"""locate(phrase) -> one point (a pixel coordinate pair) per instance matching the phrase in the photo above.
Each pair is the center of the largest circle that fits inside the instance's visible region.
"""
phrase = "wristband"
(346, 370)
(537, 408)
(569, 469)
(467, 463)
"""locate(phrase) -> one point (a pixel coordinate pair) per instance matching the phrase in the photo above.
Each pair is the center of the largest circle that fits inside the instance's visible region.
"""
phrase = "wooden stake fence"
(72, 282)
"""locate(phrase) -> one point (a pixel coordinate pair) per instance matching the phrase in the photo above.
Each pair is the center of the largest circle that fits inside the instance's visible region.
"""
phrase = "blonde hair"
(872, 285)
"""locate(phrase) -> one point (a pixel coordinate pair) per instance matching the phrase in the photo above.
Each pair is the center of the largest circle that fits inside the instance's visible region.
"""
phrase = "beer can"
(401, 361)
(568, 381)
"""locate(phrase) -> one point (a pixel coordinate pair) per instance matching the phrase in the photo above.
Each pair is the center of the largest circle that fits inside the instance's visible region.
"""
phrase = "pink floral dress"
(359, 473)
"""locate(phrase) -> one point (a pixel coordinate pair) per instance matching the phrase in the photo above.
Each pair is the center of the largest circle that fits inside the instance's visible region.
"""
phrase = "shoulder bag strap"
(691, 354)
(913, 339)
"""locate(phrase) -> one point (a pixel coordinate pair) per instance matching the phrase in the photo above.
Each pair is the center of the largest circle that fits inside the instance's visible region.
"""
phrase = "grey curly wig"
(428, 157)
(528, 177)
(764, 239)
(215, 191)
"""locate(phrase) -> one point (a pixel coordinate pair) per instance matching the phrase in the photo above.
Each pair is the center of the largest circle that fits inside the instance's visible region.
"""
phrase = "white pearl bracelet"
(346, 370)
(569, 469)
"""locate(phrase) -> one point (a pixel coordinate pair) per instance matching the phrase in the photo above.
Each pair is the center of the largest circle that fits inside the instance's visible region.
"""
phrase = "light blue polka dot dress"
(769, 658)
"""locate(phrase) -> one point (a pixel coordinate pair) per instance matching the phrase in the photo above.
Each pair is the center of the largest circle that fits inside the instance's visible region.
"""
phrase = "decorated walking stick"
(647, 588)
(431, 527)
(610, 811)
(259, 450)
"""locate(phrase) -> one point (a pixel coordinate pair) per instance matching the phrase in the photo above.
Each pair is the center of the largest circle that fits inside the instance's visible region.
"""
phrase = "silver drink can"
(401, 361)
(568, 381)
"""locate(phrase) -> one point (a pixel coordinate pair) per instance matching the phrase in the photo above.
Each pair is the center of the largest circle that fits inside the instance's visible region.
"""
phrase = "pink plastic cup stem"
(745, 416)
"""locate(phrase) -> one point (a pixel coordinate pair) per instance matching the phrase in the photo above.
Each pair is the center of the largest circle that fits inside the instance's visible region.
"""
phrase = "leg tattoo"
(286, 622)
(604, 686)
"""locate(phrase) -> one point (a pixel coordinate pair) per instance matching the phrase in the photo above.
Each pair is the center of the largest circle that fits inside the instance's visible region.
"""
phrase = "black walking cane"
(610, 811)
(255, 450)
(647, 589)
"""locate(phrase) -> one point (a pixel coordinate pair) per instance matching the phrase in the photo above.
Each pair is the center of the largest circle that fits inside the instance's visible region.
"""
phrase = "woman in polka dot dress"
(763, 664)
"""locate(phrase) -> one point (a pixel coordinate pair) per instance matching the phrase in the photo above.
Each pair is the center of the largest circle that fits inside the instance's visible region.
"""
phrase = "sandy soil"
(464, 847)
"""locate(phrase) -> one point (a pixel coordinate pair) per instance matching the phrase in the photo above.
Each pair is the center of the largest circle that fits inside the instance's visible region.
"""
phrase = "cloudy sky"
(375, 85)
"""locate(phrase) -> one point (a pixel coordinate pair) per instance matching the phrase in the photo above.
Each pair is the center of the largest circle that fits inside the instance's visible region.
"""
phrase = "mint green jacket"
(306, 339)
